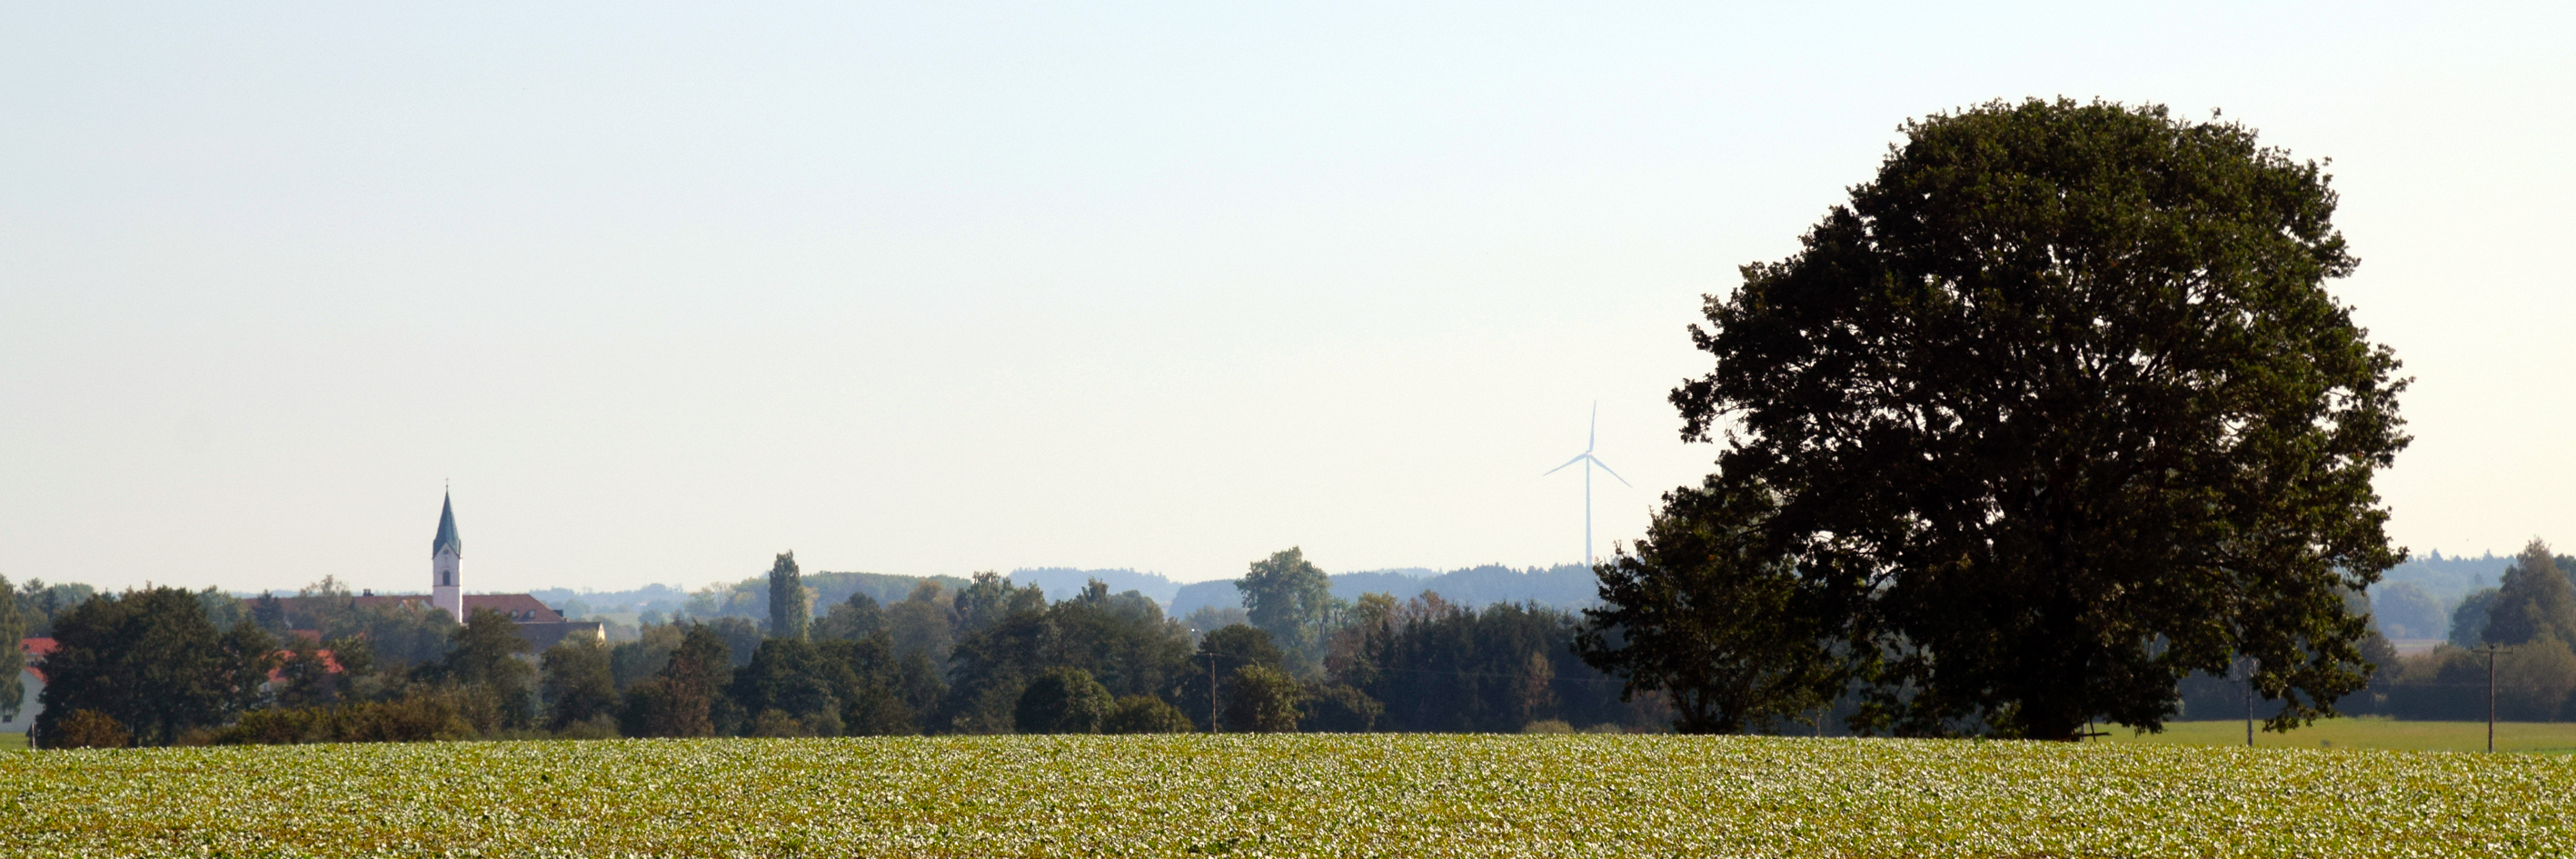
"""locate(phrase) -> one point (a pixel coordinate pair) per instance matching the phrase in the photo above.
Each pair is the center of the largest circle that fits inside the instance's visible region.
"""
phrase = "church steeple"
(446, 541)
(444, 550)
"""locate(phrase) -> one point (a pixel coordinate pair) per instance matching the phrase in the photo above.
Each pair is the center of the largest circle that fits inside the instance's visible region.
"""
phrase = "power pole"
(1212, 713)
(2245, 666)
(2490, 651)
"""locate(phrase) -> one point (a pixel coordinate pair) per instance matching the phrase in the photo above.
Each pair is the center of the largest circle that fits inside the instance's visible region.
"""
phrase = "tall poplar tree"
(790, 609)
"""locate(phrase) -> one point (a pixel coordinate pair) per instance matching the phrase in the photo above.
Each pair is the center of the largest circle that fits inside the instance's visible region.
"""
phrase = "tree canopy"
(2057, 411)
(1063, 701)
(2533, 602)
(151, 661)
(578, 684)
(1702, 609)
(1290, 598)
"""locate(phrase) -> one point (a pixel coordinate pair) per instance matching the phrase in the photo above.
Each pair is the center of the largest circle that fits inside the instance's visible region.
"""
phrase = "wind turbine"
(1589, 463)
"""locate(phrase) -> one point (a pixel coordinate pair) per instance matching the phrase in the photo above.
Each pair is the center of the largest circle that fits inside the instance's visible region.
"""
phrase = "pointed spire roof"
(446, 538)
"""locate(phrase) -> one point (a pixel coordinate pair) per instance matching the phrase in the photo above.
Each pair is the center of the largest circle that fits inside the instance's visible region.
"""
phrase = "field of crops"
(1367, 795)
(2549, 737)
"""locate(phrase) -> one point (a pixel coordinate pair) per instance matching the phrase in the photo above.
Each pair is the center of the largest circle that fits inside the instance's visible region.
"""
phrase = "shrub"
(876, 711)
(776, 723)
(276, 727)
(1547, 726)
(89, 729)
(420, 717)
(2534, 680)
(1145, 714)
(599, 727)
(1339, 708)
(1062, 701)
(1263, 699)
(662, 708)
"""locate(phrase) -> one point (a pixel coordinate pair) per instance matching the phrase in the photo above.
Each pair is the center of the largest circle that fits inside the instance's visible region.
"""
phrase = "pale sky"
(916, 288)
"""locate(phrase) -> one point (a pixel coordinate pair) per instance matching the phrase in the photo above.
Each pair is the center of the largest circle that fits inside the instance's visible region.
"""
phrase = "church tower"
(444, 592)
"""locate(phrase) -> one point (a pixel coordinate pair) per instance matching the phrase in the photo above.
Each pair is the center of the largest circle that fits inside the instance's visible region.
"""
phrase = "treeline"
(160, 666)
(2528, 620)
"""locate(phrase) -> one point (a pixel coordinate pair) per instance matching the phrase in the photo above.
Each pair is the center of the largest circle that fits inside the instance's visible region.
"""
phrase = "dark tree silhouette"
(1702, 609)
(2058, 410)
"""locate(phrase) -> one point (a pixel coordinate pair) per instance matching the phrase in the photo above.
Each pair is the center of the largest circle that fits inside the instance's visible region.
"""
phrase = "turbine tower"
(1590, 463)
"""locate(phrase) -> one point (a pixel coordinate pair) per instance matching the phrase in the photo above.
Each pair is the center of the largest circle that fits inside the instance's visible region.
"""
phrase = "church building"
(540, 624)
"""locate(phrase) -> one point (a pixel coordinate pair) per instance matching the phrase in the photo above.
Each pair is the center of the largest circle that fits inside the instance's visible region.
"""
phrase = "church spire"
(446, 541)
(443, 553)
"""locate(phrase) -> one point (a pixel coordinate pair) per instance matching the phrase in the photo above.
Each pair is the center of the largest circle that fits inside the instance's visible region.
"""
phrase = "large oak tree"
(2058, 410)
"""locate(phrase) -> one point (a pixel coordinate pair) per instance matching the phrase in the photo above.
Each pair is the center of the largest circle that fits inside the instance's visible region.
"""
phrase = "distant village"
(541, 625)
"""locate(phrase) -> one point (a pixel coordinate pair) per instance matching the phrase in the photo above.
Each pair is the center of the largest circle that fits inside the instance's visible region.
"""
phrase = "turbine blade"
(1606, 467)
(1594, 436)
(1576, 459)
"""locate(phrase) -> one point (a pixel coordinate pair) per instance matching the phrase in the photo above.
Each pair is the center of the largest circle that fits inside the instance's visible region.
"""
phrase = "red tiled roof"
(330, 665)
(37, 649)
(520, 607)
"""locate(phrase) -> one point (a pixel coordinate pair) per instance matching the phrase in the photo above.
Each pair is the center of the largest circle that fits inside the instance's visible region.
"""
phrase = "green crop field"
(2559, 737)
(1311, 795)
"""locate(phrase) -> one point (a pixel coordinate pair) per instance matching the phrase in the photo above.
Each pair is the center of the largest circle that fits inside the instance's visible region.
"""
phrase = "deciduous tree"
(1219, 654)
(2534, 679)
(922, 623)
(1291, 599)
(1702, 609)
(1340, 708)
(682, 699)
(150, 660)
(1145, 714)
(2469, 618)
(2059, 410)
(578, 685)
(872, 682)
(2533, 602)
(853, 619)
(484, 652)
(1262, 699)
(1063, 701)
(790, 676)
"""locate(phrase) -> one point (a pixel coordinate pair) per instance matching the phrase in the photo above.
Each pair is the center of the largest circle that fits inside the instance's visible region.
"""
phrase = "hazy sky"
(940, 287)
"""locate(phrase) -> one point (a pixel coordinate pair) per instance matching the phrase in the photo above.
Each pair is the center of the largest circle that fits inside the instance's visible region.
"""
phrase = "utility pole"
(2490, 651)
(1212, 713)
(2245, 667)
